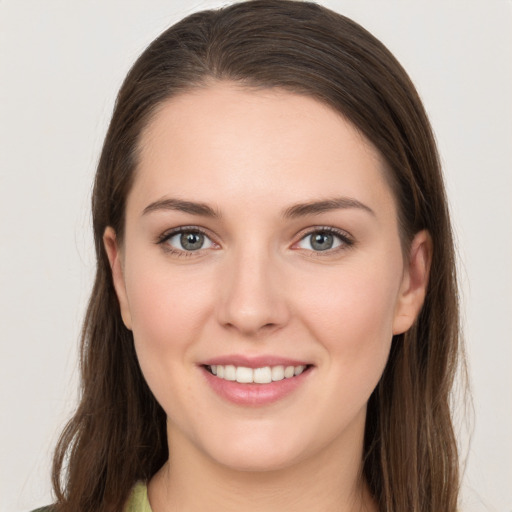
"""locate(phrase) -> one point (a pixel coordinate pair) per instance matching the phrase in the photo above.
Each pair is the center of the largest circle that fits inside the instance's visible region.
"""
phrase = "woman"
(274, 319)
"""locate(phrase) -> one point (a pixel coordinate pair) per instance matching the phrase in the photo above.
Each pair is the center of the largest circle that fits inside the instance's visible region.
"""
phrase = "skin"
(259, 287)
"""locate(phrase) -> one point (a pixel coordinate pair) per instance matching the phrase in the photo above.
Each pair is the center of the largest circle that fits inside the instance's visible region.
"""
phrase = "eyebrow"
(294, 211)
(191, 207)
(318, 207)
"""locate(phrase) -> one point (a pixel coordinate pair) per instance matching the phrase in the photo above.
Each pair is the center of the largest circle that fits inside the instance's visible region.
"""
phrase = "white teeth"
(263, 375)
(244, 375)
(230, 372)
(277, 373)
(298, 370)
(289, 371)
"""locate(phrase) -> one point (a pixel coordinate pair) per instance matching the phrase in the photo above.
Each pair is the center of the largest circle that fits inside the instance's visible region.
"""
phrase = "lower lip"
(254, 394)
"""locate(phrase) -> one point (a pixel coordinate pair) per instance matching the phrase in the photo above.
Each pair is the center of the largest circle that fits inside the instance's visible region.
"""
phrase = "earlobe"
(414, 283)
(114, 256)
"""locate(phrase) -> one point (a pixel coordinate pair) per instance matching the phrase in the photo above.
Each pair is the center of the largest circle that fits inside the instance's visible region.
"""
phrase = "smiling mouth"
(263, 375)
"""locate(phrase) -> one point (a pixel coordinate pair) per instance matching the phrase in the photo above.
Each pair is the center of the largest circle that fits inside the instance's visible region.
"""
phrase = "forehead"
(227, 141)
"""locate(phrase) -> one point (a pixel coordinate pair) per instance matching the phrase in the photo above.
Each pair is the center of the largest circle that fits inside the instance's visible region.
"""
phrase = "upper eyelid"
(319, 229)
(184, 229)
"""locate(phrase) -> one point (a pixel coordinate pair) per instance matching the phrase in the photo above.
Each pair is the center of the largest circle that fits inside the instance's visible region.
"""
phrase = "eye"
(324, 240)
(186, 240)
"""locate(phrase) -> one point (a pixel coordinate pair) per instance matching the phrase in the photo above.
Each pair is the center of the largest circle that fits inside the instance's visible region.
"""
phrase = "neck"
(329, 481)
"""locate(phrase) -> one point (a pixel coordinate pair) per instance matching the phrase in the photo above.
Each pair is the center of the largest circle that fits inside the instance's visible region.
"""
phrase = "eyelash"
(165, 237)
(346, 241)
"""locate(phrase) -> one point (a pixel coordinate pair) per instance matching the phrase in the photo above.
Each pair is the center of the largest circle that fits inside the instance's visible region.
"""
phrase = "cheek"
(355, 323)
(166, 301)
(169, 309)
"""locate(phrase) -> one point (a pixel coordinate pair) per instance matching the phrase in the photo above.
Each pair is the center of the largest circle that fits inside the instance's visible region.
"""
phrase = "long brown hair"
(117, 435)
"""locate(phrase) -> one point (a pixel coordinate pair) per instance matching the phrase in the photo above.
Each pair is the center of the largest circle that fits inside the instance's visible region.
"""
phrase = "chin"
(256, 461)
(265, 451)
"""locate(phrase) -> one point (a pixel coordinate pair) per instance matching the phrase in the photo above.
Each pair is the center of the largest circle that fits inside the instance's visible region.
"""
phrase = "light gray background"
(61, 63)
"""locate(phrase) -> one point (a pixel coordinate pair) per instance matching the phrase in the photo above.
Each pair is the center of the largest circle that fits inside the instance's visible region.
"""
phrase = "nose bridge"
(252, 297)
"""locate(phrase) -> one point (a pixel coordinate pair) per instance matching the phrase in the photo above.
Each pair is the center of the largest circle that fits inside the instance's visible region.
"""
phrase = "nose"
(252, 295)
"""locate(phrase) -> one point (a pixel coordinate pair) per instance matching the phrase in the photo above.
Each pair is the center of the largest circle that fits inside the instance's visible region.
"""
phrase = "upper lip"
(254, 361)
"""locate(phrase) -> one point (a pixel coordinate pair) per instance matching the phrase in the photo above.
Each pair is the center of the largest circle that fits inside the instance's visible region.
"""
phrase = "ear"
(414, 283)
(116, 265)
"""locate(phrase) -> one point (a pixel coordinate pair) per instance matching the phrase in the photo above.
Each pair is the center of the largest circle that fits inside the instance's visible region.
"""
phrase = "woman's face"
(262, 244)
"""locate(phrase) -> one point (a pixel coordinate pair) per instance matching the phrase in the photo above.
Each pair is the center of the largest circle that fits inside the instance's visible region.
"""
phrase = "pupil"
(192, 241)
(322, 241)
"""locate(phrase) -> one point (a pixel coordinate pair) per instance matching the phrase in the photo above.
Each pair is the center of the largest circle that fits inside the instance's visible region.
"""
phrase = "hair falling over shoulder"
(117, 435)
